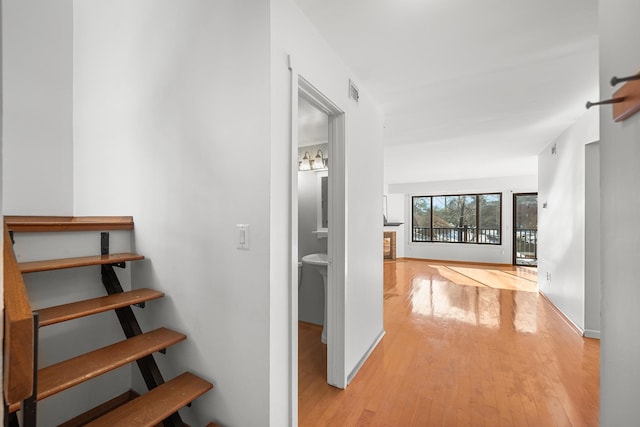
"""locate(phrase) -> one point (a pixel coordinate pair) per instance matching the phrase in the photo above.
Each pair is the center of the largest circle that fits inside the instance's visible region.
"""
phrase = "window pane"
(527, 212)
(441, 225)
(489, 218)
(421, 220)
(454, 218)
(466, 218)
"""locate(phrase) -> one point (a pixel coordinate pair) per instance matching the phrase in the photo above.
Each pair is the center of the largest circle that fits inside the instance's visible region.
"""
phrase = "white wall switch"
(243, 236)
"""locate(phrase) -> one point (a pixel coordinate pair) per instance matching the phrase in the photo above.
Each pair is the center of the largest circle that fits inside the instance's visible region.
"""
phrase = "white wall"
(1, 194)
(620, 234)
(172, 122)
(593, 275)
(37, 178)
(292, 35)
(561, 225)
(498, 254)
(174, 98)
(37, 97)
(283, 349)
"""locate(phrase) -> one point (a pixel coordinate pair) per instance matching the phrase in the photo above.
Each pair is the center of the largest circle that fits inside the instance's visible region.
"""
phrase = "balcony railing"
(456, 235)
(527, 243)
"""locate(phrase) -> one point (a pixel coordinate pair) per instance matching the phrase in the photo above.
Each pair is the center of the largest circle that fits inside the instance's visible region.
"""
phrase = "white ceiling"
(468, 88)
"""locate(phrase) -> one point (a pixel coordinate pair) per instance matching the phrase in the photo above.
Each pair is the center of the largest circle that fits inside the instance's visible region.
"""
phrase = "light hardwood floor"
(465, 345)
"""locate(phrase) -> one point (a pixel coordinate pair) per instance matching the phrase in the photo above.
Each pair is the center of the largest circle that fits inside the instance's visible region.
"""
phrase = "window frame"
(477, 218)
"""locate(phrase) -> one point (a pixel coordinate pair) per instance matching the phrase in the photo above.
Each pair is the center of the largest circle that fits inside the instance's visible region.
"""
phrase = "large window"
(466, 218)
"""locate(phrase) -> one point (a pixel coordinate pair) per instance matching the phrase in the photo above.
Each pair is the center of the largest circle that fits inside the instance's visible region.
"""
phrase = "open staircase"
(25, 383)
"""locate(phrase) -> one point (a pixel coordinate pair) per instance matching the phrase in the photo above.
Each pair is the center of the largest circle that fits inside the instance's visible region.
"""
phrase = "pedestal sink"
(319, 262)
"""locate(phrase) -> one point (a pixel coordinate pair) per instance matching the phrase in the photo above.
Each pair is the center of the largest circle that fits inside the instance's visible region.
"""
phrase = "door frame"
(336, 244)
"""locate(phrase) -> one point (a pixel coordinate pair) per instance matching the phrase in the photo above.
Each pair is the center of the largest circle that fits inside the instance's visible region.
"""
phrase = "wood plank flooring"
(465, 345)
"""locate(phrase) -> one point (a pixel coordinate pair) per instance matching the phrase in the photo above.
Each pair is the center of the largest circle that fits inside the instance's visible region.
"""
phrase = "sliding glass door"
(525, 229)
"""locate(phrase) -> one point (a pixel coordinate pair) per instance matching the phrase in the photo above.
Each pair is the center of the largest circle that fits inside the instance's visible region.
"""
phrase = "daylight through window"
(466, 218)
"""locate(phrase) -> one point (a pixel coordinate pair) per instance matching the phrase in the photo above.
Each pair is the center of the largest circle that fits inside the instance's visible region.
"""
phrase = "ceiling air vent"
(353, 91)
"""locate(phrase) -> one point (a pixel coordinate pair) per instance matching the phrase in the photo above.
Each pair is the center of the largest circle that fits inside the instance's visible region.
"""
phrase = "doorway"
(525, 229)
(331, 221)
(313, 221)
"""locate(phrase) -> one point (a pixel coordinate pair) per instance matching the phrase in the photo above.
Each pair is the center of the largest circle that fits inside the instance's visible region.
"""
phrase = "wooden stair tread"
(26, 224)
(61, 376)
(100, 410)
(58, 264)
(156, 405)
(74, 310)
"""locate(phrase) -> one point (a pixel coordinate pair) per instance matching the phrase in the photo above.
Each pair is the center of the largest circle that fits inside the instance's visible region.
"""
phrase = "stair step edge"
(74, 310)
(154, 406)
(68, 373)
(62, 263)
(103, 408)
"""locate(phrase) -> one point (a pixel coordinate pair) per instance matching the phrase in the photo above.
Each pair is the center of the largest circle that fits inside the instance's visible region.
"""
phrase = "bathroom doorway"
(318, 225)
(313, 221)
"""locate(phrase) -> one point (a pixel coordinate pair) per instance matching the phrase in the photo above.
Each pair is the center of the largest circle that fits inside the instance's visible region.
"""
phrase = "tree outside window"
(466, 218)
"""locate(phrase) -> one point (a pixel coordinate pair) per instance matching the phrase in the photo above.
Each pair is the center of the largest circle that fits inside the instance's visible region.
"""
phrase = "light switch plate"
(243, 236)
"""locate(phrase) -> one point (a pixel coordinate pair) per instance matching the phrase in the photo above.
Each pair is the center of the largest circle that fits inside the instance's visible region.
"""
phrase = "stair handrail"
(18, 348)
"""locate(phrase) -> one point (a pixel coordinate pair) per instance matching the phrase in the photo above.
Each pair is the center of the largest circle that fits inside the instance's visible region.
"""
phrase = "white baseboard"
(365, 357)
(590, 333)
(562, 315)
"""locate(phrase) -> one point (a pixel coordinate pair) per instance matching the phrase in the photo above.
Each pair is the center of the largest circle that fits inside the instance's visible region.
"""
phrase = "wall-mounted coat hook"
(615, 80)
(606, 101)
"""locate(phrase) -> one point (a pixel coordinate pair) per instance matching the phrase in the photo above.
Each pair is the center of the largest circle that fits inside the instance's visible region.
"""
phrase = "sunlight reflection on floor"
(475, 296)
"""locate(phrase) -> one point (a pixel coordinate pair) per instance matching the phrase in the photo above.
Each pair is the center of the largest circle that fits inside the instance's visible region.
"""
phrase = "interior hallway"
(465, 345)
